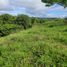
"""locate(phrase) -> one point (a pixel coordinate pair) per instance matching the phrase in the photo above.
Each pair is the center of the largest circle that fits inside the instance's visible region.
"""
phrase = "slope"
(44, 45)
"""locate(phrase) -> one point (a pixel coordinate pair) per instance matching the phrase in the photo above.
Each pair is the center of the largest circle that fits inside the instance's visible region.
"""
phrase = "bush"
(23, 20)
(8, 28)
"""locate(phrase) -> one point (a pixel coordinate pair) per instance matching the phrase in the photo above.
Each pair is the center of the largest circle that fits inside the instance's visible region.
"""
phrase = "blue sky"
(32, 8)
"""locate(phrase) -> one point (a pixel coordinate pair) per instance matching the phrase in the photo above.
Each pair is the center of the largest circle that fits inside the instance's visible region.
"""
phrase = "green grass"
(41, 46)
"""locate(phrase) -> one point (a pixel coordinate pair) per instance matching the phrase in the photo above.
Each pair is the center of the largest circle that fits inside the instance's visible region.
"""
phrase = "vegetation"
(33, 42)
(61, 2)
(11, 24)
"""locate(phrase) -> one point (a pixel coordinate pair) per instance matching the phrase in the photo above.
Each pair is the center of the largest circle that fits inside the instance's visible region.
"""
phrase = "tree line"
(10, 23)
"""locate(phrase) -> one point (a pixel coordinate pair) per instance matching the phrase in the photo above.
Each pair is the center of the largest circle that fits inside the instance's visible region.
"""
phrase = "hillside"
(43, 45)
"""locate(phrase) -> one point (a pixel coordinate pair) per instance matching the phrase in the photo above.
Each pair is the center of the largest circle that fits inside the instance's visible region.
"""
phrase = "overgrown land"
(32, 42)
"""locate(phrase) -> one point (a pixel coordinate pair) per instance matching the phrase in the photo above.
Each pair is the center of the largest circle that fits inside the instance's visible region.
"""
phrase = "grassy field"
(43, 45)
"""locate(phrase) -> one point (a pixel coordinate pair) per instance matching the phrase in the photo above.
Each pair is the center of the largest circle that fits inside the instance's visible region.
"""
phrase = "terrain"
(42, 45)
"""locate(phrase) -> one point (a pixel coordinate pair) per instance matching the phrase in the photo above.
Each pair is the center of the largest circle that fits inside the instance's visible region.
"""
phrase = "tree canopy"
(62, 2)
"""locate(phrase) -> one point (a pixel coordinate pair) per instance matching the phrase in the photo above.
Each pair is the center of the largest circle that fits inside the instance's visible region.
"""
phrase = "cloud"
(32, 8)
(5, 5)
(31, 4)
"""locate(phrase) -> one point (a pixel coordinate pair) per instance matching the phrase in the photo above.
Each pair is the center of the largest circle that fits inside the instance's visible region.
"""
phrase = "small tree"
(65, 20)
(23, 20)
(6, 18)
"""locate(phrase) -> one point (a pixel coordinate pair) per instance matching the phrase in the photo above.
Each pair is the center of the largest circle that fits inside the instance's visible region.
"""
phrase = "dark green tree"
(6, 18)
(65, 20)
(23, 20)
(50, 2)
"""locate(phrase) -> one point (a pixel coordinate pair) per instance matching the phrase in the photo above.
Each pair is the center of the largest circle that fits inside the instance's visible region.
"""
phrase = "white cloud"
(33, 7)
(4, 4)
(30, 4)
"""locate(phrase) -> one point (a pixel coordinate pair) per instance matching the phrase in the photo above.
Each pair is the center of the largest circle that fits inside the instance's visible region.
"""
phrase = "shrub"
(8, 28)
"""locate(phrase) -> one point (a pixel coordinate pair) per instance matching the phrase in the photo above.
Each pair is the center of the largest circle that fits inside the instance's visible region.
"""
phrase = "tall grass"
(40, 46)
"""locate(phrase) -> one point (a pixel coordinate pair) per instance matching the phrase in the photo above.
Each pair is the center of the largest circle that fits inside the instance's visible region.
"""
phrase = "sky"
(34, 8)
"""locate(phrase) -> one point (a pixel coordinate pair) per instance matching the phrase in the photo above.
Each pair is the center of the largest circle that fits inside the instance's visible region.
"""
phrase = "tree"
(23, 20)
(64, 2)
(65, 20)
(6, 18)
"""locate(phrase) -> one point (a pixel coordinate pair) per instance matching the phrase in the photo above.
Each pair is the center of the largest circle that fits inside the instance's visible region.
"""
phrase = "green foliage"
(8, 28)
(39, 46)
(9, 23)
(23, 20)
(50, 2)
(65, 20)
(6, 18)
(43, 45)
